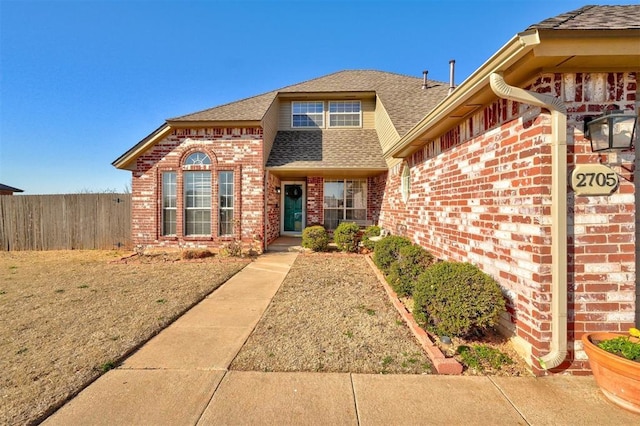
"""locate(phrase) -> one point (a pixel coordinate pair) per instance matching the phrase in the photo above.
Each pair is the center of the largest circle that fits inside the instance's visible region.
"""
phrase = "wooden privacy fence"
(69, 221)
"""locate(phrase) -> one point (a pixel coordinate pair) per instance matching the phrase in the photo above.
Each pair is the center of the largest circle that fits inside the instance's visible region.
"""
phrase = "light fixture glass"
(612, 131)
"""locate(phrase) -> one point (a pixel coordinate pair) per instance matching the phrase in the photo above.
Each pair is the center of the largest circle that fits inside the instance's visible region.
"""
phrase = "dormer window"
(307, 114)
(344, 114)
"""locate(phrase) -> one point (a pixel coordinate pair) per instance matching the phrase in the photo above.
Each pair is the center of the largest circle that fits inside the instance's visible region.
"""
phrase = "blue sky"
(83, 81)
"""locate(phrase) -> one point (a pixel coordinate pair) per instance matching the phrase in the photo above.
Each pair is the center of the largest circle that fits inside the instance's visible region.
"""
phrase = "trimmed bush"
(386, 251)
(371, 231)
(412, 262)
(315, 238)
(457, 299)
(346, 237)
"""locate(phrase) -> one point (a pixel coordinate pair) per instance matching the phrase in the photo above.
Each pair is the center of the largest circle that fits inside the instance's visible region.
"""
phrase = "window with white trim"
(344, 114)
(225, 194)
(405, 182)
(344, 199)
(197, 158)
(307, 114)
(169, 205)
(197, 203)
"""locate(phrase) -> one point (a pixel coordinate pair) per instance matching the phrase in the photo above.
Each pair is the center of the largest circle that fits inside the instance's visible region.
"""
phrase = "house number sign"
(594, 179)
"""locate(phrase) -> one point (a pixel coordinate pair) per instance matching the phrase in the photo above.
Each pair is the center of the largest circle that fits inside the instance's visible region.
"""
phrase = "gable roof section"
(402, 96)
(326, 150)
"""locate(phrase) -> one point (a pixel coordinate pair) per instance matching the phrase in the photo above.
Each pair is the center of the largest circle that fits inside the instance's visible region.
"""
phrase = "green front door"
(293, 208)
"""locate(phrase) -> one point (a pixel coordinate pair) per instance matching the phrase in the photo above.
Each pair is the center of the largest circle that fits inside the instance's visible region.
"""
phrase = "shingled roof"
(402, 96)
(594, 18)
(249, 109)
(326, 149)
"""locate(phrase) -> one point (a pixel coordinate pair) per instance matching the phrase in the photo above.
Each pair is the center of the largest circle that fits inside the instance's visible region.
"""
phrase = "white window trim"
(186, 208)
(321, 114)
(329, 113)
(344, 207)
(165, 209)
(233, 204)
(405, 182)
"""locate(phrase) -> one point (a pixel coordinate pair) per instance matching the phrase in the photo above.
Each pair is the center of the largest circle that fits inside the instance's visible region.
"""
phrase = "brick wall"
(230, 149)
(273, 208)
(481, 193)
(375, 192)
(315, 198)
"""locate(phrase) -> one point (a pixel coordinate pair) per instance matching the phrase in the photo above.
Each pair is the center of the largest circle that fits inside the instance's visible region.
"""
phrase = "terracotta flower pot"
(617, 377)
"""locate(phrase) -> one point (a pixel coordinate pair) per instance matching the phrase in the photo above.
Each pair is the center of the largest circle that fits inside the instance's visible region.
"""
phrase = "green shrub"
(386, 251)
(457, 299)
(412, 261)
(371, 231)
(346, 237)
(315, 238)
(483, 357)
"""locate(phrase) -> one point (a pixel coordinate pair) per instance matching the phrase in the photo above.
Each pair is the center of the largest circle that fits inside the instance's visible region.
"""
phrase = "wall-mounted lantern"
(614, 130)
(278, 190)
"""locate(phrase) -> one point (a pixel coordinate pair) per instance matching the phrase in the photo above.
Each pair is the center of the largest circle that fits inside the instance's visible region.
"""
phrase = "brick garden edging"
(442, 364)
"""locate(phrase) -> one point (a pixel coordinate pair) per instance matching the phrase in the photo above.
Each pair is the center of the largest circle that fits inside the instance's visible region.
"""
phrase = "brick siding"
(481, 194)
(230, 149)
(273, 208)
(315, 197)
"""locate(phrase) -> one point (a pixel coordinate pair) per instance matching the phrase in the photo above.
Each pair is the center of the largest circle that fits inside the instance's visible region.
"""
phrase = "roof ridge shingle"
(558, 20)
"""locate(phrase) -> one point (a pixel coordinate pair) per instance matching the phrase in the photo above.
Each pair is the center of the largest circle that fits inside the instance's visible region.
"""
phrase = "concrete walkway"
(181, 377)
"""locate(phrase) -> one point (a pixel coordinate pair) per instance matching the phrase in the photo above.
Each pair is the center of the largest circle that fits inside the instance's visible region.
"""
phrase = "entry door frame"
(303, 184)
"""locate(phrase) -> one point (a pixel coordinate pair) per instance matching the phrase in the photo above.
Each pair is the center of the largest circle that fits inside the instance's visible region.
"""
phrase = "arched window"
(405, 183)
(197, 158)
(205, 193)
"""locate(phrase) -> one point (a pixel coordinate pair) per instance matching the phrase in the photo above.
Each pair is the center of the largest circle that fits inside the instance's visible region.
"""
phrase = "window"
(197, 202)
(344, 114)
(225, 190)
(169, 197)
(405, 182)
(198, 158)
(344, 200)
(307, 114)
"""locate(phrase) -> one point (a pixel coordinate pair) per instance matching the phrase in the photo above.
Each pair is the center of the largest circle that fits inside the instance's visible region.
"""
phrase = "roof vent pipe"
(452, 67)
(425, 84)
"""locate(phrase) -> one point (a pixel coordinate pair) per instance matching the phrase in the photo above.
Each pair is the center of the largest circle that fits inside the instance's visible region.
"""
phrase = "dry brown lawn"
(66, 316)
(332, 315)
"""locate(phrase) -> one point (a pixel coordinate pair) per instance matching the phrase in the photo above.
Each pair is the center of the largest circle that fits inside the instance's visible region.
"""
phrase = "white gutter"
(558, 210)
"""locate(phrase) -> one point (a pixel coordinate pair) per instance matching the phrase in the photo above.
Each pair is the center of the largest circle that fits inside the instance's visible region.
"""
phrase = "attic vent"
(425, 84)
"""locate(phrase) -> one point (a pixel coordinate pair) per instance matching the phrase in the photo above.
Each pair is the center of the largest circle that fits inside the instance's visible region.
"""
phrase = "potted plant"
(615, 362)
